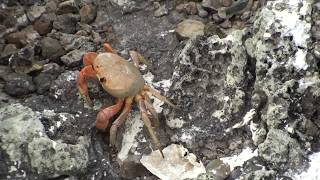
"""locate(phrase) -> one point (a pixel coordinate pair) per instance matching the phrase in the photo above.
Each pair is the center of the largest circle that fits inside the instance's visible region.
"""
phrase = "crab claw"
(104, 115)
(86, 72)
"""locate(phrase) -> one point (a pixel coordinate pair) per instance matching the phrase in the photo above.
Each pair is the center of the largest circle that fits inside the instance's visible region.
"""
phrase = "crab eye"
(103, 80)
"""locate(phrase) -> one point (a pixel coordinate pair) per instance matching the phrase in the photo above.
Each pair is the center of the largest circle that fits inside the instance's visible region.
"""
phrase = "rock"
(237, 7)
(51, 48)
(8, 50)
(52, 68)
(261, 174)
(88, 13)
(226, 24)
(246, 15)
(219, 170)
(43, 25)
(35, 11)
(72, 42)
(315, 33)
(73, 58)
(202, 12)
(191, 8)
(212, 4)
(259, 132)
(4, 71)
(254, 168)
(126, 6)
(211, 29)
(281, 82)
(161, 11)
(52, 6)
(23, 61)
(19, 85)
(43, 82)
(189, 28)
(21, 38)
(13, 17)
(14, 117)
(177, 164)
(31, 147)
(60, 88)
(66, 23)
(30, 2)
(69, 6)
(240, 159)
(214, 68)
(316, 50)
(132, 147)
(281, 150)
(216, 18)
(188, 8)
(62, 159)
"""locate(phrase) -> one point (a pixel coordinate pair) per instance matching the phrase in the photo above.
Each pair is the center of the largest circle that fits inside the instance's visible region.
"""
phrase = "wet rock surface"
(241, 73)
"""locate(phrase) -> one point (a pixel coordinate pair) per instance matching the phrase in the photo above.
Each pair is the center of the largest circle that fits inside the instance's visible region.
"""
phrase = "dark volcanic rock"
(13, 16)
(19, 85)
(63, 85)
(24, 61)
(73, 58)
(35, 11)
(51, 48)
(21, 38)
(43, 25)
(7, 51)
(75, 41)
(66, 23)
(69, 6)
(208, 70)
(88, 13)
(43, 82)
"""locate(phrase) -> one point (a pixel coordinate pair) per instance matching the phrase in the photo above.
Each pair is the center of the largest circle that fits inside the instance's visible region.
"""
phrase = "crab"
(122, 80)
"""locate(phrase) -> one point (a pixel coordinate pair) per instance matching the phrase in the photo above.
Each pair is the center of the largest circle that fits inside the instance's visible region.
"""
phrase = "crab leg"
(104, 115)
(147, 122)
(158, 95)
(151, 109)
(137, 58)
(88, 58)
(108, 48)
(120, 120)
(87, 71)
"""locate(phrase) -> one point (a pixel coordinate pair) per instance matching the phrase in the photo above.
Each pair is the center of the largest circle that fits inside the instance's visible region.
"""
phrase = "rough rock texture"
(208, 70)
(31, 152)
(19, 85)
(281, 150)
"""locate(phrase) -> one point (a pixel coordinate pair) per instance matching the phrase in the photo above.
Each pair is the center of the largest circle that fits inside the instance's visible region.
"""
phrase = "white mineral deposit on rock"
(163, 84)
(238, 160)
(293, 25)
(313, 172)
(133, 126)
(177, 163)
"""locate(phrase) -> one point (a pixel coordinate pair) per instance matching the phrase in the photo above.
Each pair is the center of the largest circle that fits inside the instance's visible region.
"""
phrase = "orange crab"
(124, 81)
